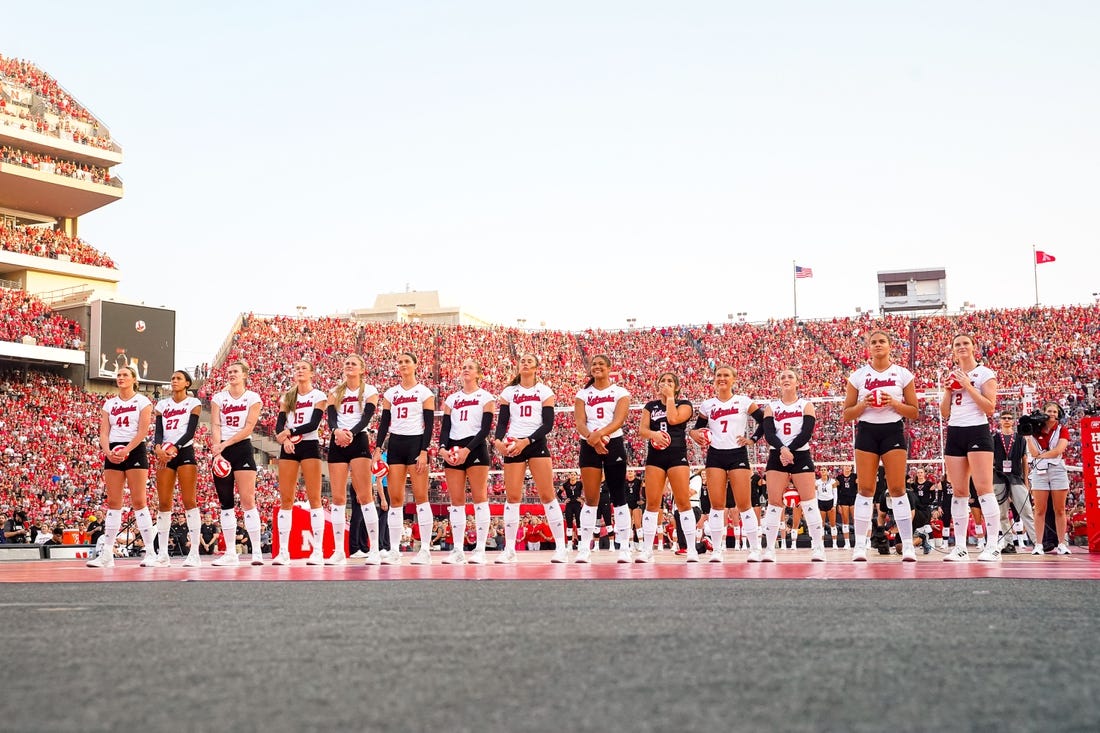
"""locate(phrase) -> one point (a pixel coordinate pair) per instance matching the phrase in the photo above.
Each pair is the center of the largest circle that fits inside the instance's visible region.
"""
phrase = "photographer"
(1046, 441)
(1009, 481)
(15, 531)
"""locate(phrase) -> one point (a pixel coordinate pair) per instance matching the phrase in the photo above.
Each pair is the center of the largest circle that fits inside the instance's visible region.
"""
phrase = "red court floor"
(791, 564)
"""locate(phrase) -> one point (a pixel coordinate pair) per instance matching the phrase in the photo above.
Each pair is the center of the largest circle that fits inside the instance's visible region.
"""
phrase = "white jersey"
(303, 411)
(891, 381)
(964, 410)
(727, 420)
(125, 416)
(176, 415)
(525, 411)
(234, 411)
(466, 412)
(826, 489)
(788, 420)
(599, 406)
(350, 409)
(407, 408)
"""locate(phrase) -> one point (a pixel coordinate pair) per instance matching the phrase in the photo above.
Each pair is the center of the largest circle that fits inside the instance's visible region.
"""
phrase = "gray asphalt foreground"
(685, 655)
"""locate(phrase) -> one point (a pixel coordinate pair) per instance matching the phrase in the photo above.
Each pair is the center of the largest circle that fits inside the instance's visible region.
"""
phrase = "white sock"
(144, 521)
(317, 524)
(861, 513)
(286, 516)
(588, 526)
(771, 525)
(716, 529)
(649, 529)
(687, 523)
(511, 525)
(370, 519)
(622, 526)
(229, 530)
(482, 520)
(252, 526)
(457, 514)
(425, 521)
(991, 513)
(903, 517)
(395, 523)
(194, 529)
(960, 518)
(111, 524)
(164, 523)
(339, 514)
(750, 529)
(556, 520)
(812, 514)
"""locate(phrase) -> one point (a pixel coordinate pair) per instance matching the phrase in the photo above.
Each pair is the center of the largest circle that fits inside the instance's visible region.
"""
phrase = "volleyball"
(221, 467)
(380, 469)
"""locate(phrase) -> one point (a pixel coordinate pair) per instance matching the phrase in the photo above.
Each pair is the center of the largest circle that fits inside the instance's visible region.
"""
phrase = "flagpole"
(794, 288)
(1035, 270)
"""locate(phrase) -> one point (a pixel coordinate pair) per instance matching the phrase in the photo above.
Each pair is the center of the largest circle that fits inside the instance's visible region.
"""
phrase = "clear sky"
(582, 163)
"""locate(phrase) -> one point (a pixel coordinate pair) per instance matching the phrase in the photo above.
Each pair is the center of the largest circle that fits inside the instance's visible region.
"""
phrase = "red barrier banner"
(301, 535)
(1090, 471)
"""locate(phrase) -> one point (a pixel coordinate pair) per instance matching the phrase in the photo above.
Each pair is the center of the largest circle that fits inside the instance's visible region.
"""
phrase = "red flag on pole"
(1042, 257)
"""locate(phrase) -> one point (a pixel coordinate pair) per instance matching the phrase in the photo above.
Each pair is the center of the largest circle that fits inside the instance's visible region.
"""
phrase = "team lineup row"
(879, 397)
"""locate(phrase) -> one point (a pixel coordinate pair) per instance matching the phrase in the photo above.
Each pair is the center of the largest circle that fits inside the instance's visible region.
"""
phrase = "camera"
(1032, 424)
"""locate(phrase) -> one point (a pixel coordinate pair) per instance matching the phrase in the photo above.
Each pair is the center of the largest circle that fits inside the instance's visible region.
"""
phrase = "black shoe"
(1009, 550)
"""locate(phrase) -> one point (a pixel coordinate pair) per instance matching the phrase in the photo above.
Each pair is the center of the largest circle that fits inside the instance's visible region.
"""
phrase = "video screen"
(135, 335)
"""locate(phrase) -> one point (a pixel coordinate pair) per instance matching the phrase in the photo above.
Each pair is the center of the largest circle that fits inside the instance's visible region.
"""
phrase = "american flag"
(800, 271)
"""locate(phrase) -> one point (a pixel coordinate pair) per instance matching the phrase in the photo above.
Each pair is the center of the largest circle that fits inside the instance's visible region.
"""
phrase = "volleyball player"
(846, 493)
(408, 416)
(664, 426)
(123, 427)
(177, 419)
(349, 411)
(788, 424)
(467, 420)
(599, 410)
(725, 417)
(300, 412)
(969, 398)
(234, 412)
(826, 487)
(526, 419)
(880, 396)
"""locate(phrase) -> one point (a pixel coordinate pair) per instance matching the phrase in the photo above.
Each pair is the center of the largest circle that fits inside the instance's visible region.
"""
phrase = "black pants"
(357, 531)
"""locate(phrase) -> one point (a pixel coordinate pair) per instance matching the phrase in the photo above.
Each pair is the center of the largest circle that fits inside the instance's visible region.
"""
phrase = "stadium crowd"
(23, 315)
(51, 243)
(28, 88)
(57, 166)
